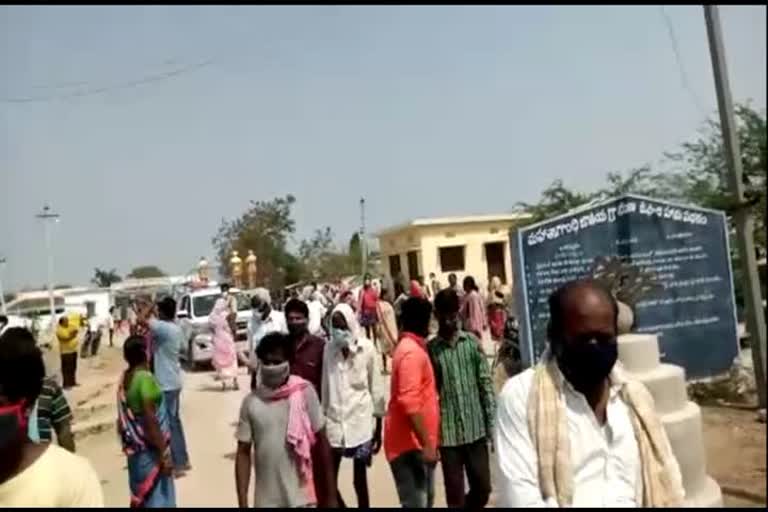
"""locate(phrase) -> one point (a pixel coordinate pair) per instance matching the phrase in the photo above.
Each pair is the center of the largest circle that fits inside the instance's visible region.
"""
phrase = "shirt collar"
(415, 337)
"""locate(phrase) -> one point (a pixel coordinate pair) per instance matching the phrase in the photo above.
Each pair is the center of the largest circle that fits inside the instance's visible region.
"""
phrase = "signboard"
(692, 308)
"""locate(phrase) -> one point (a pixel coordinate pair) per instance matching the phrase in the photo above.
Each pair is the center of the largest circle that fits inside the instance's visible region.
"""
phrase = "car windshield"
(203, 305)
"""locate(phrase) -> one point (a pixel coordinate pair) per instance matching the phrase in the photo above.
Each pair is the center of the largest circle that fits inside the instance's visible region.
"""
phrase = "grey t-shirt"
(265, 424)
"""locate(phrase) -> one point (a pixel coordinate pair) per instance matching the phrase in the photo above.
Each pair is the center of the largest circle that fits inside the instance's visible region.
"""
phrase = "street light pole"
(47, 216)
(743, 221)
(2, 293)
(363, 244)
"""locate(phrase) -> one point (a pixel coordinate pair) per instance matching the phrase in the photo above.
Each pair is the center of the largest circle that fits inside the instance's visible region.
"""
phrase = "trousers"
(471, 458)
(178, 441)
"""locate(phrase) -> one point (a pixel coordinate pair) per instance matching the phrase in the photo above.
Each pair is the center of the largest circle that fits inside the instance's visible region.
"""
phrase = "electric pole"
(363, 244)
(48, 217)
(2, 292)
(743, 221)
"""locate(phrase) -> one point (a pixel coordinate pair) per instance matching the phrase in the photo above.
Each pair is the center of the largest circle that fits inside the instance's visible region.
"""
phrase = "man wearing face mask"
(352, 399)
(575, 430)
(306, 349)
(35, 475)
(282, 426)
(264, 320)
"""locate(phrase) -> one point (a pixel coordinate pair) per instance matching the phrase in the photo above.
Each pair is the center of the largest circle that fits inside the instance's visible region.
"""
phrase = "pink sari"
(224, 349)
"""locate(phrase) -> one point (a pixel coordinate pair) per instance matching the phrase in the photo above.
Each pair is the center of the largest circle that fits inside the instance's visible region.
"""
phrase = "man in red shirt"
(413, 419)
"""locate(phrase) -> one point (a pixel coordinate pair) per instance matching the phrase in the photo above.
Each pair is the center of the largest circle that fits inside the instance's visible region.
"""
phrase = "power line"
(148, 79)
(678, 59)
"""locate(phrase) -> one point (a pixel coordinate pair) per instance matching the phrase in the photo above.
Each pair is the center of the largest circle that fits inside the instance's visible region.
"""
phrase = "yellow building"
(477, 246)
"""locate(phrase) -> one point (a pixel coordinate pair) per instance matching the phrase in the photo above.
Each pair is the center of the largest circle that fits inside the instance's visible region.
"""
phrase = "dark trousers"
(359, 479)
(68, 369)
(472, 458)
(414, 480)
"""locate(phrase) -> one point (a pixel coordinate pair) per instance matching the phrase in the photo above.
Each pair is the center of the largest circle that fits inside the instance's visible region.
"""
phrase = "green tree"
(145, 272)
(699, 167)
(355, 252)
(555, 200)
(322, 259)
(105, 278)
(263, 228)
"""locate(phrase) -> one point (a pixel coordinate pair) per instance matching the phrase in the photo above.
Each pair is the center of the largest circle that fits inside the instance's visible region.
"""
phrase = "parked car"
(194, 308)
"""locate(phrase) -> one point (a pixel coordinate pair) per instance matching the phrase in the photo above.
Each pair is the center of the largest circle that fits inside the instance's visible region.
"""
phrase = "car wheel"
(191, 364)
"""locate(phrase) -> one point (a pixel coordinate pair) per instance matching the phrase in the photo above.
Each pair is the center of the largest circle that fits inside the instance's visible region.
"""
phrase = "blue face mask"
(341, 337)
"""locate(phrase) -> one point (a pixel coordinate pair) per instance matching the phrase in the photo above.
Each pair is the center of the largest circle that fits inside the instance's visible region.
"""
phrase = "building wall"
(428, 240)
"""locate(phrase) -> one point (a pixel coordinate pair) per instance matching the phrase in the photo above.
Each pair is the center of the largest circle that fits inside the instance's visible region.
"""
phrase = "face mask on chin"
(273, 376)
(587, 365)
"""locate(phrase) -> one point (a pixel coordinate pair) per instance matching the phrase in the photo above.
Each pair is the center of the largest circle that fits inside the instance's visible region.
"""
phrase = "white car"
(194, 308)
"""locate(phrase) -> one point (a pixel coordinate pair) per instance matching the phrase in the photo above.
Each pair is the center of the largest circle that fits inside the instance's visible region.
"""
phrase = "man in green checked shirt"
(467, 406)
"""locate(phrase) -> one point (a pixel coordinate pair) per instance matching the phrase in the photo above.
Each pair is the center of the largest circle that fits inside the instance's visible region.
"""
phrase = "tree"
(264, 228)
(105, 278)
(322, 259)
(145, 272)
(555, 200)
(700, 168)
(355, 250)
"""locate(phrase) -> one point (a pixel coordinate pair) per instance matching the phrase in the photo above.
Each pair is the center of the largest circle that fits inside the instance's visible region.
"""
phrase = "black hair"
(21, 366)
(296, 306)
(135, 351)
(447, 301)
(452, 277)
(415, 315)
(224, 287)
(399, 289)
(167, 308)
(3, 319)
(469, 282)
(558, 299)
(272, 341)
(62, 320)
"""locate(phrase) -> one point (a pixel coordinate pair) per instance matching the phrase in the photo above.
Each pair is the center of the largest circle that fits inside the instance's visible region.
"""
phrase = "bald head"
(581, 307)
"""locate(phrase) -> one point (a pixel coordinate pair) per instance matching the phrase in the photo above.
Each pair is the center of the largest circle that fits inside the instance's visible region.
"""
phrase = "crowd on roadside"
(574, 430)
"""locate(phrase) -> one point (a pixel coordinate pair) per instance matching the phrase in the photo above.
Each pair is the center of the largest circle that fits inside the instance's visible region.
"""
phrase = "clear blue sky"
(425, 111)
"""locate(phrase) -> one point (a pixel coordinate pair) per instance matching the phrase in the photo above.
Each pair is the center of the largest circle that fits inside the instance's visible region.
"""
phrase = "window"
(452, 258)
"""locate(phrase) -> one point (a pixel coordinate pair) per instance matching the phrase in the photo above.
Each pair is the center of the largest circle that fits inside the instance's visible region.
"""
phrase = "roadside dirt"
(736, 452)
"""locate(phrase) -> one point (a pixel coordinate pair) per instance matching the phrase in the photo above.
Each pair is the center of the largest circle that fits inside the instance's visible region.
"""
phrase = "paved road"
(209, 420)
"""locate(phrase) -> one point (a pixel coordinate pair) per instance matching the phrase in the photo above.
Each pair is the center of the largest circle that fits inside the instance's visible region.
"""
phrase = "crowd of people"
(573, 430)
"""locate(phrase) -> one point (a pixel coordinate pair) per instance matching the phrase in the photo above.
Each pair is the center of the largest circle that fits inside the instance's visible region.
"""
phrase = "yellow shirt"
(66, 345)
(56, 479)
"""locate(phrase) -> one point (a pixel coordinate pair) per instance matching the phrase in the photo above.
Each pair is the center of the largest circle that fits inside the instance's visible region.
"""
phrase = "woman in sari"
(387, 328)
(144, 431)
(496, 312)
(224, 349)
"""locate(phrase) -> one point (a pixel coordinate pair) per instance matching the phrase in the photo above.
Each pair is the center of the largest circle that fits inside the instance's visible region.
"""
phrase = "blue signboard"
(691, 304)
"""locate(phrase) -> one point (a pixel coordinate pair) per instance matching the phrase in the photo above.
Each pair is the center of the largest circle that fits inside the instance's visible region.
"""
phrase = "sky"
(424, 111)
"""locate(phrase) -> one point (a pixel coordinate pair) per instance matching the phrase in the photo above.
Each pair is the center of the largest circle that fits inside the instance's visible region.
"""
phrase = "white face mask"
(273, 376)
(341, 337)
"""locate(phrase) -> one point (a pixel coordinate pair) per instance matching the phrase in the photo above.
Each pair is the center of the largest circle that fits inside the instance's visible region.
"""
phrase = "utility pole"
(743, 221)
(363, 244)
(2, 293)
(48, 217)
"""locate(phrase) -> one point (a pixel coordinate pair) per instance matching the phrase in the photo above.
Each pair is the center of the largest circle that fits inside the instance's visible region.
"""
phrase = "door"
(413, 265)
(394, 266)
(494, 258)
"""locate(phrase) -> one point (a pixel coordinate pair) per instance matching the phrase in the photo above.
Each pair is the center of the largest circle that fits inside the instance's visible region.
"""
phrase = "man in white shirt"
(263, 321)
(317, 311)
(575, 430)
(352, 398)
